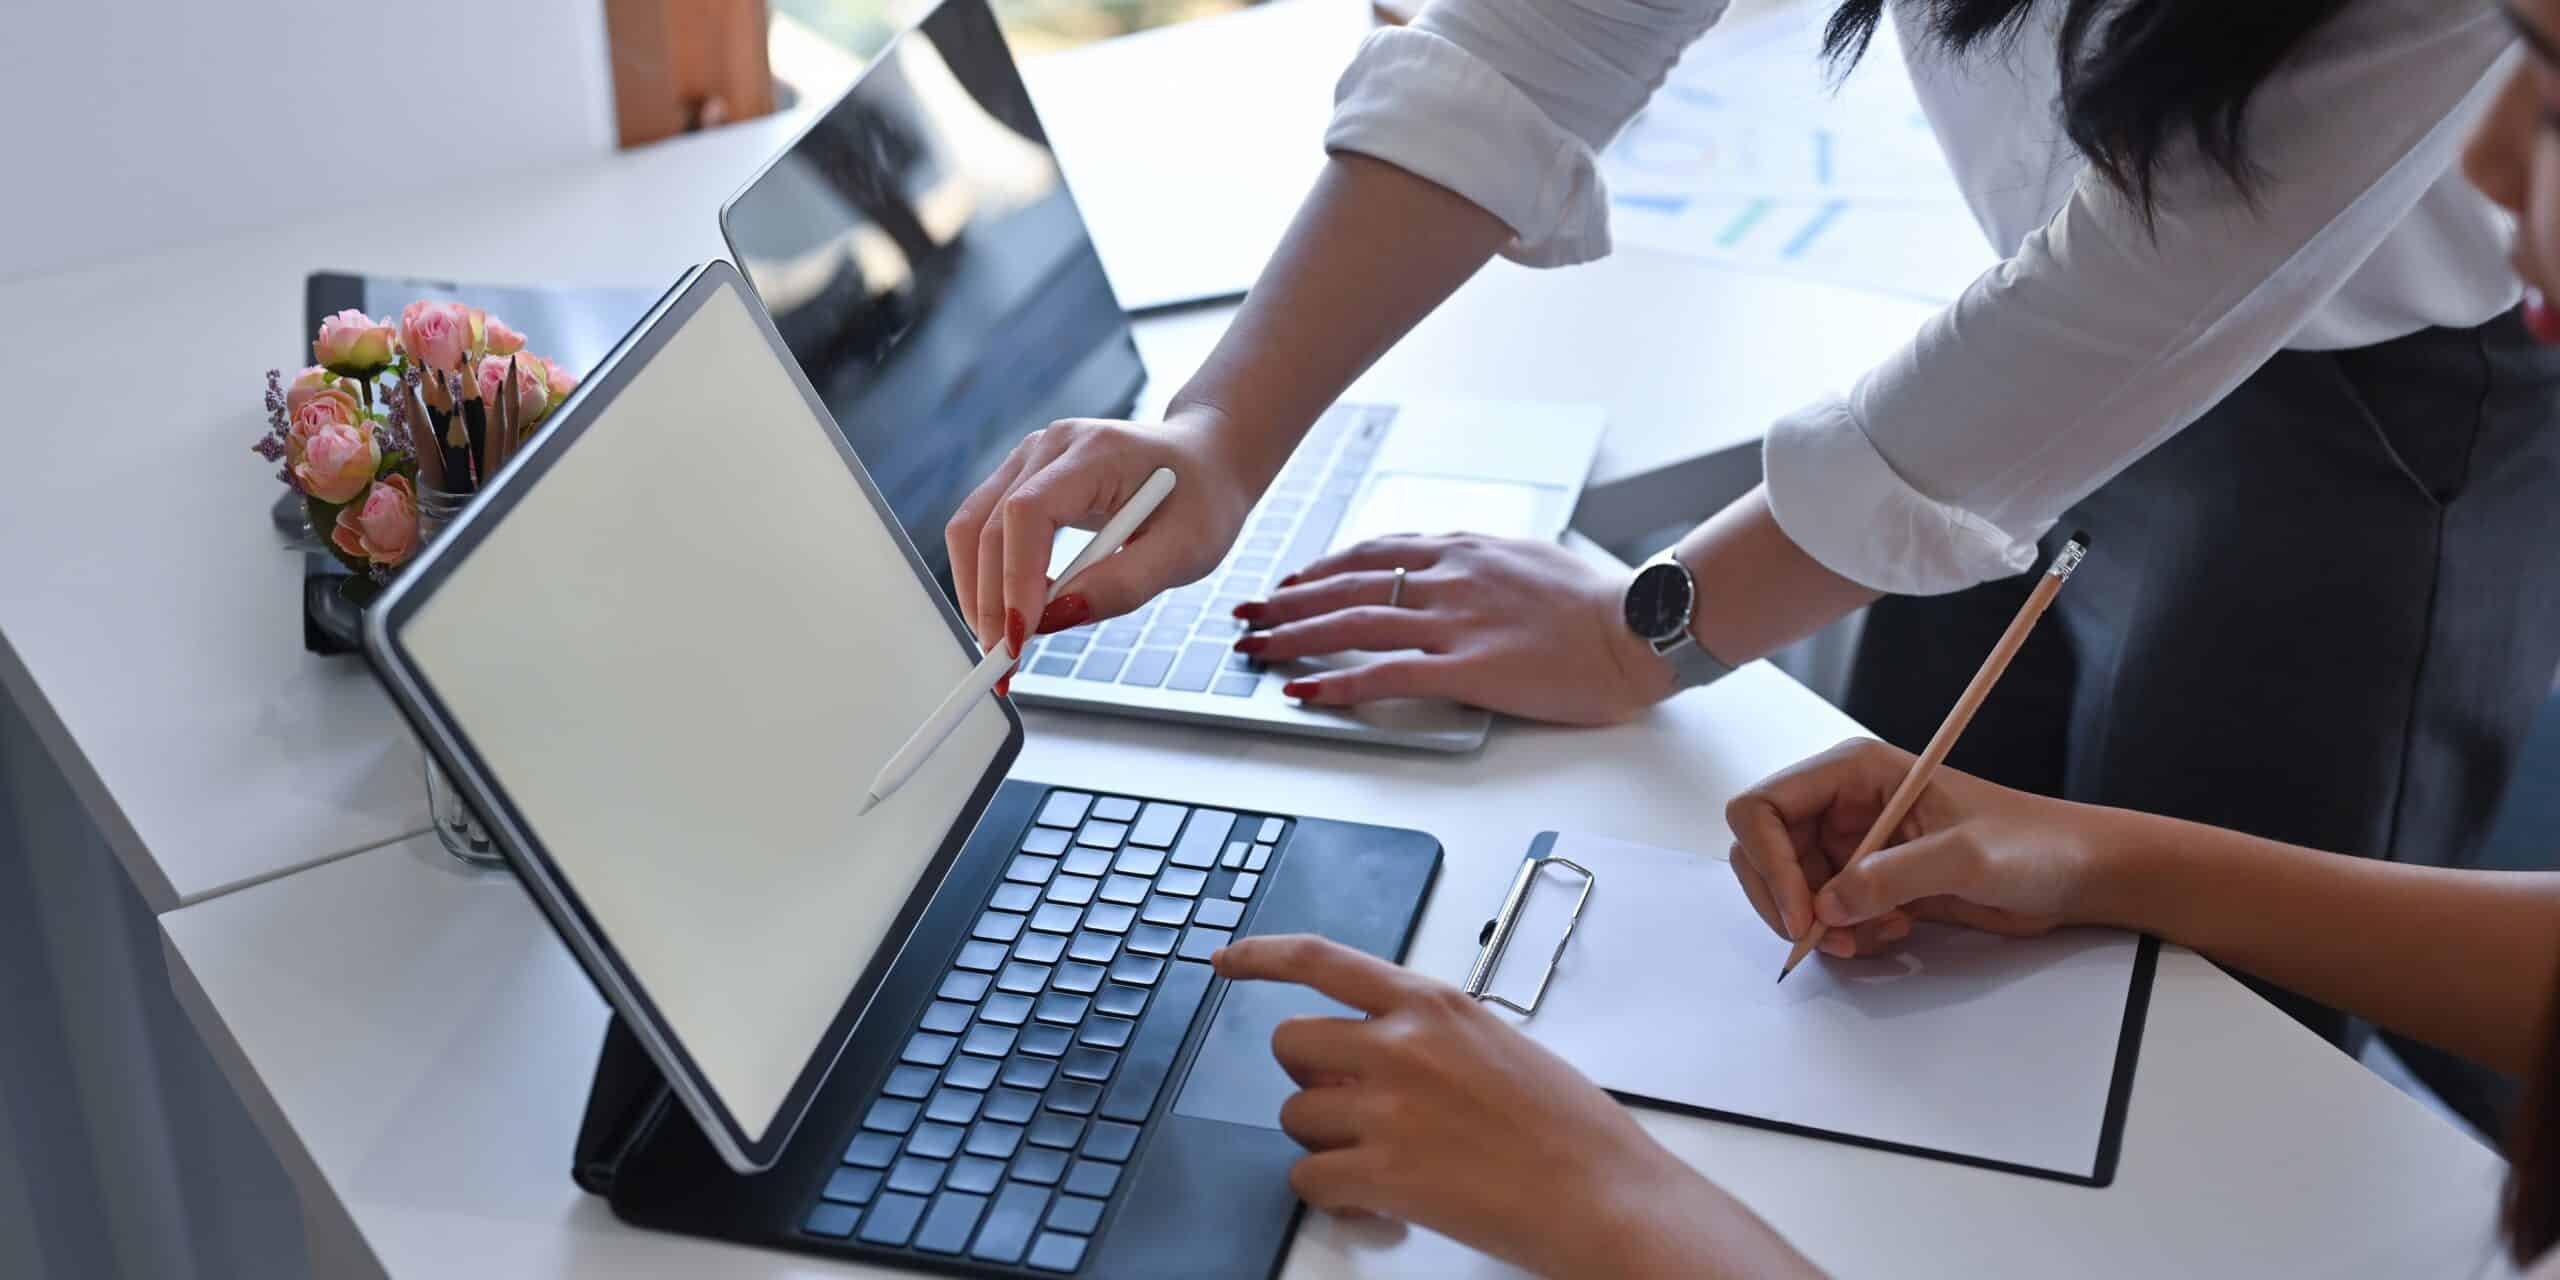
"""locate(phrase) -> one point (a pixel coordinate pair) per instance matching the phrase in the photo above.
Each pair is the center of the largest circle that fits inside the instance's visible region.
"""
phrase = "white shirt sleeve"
(2099, 338)
(1507, 102)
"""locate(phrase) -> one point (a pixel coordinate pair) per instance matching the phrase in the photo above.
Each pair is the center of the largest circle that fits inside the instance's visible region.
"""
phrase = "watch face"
(1658, 602)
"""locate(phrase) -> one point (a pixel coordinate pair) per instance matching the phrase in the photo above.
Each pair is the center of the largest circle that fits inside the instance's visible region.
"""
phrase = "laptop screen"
(921, 255)
(677, 642)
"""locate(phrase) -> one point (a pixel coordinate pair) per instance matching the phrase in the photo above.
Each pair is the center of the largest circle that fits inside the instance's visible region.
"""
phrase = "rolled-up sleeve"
(1507, 102)
(2102, 337)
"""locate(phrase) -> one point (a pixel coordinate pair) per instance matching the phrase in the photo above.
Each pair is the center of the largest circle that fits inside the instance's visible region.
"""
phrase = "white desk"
(417, 1045)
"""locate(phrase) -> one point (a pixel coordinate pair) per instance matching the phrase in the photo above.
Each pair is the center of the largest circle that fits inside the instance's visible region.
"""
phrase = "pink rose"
(338, 460)
(352, 343)
(384, 527)
(436, 334)
(311, 382)
(561, 382)
(328, 406)
(501, 340)
(532, 394)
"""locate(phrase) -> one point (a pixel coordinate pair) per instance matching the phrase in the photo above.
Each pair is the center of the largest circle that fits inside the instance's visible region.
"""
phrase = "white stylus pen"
(991, 668)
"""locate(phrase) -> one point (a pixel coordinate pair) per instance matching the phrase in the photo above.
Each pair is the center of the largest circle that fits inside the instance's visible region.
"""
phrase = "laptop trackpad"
(1235, 1078)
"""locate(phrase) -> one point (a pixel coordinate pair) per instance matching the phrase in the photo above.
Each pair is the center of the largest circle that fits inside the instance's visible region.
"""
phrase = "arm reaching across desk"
(2461, 959)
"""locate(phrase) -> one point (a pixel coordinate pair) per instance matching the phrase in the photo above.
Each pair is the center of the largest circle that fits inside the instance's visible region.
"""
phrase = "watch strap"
(1691, 665)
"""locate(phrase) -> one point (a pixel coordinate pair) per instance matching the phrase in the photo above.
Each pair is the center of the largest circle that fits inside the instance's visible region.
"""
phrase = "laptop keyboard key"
(1045, 840)
(1075, 891)
(1103, 835)
(1025, 979)
(1110, 1141)
(1092, 1178)
(1075, 1215)
(972, 1072)
(1030, 868)
(1064, 808)
(1171, 912)
(1053, 917)
(909, 1082)
(1087, 1063)
(1244, 886)
(963, 985)
(1203, 839)
(916, 1176)
(1151, 940)
(1087, 862)
(1147, 668)
(948, 1224)
(950, 1017)
(1125, 890)
(1057, 1252)
(926, 1049)
(1040, 948)
(1012, 1106)
(1053, 1129)
(1058, 1006)
(1117, 809)
(1009, 1223)
(986, 957)
(1119, 1001)
(1105, 1033)
(1137, 970)
(1093, 948)
(890, 1115)
(1158, 825)
(1006, 1010)
(1236, 685)
(994, 1141)
(852, 1186)
(1045, 1040)
(1015, 897)
(987, 1039)
(1042, 1165)
(1149, 1059)
(1111, 917)
(872, 1151)
(1234, 861)
(1183, 882)
(1200, 944)
(1197, 666)
(1103, 664)
(1271, 829)
(934, 1142)
(1080, 979)
(834, 1221)
(953, 1106)
(1028, 1073)
(1258, 859)
(974, 1174)
(999, 926)
(1075, 1097)
(1218, 913)
(892, 1220)
(1139, 860)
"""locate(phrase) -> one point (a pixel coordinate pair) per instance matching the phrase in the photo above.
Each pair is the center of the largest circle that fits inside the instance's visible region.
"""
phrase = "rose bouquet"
(394, 427)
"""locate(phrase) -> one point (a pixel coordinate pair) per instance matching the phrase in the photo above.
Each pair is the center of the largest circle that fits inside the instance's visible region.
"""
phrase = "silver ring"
(1395, 591)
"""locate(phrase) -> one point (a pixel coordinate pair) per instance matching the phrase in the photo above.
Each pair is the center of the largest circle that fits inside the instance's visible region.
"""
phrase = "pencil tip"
(869, 803)
(1785, 969)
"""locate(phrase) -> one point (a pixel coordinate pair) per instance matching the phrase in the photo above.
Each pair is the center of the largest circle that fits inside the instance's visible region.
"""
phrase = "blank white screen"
(683, 654)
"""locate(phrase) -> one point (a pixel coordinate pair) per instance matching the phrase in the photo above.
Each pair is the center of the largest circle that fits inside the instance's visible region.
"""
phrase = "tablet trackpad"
(1235, 1078)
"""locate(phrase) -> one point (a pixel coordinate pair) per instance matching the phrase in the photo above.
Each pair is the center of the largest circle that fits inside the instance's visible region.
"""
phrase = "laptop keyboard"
(1185, 640)
(1025, 1088)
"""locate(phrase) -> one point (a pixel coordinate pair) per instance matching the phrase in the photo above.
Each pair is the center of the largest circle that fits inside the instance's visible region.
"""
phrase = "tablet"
(661, 655)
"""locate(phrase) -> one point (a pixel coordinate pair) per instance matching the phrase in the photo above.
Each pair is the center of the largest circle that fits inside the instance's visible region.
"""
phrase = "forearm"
(1757, 590)
(1371, 252)
(2463, 960)
(1683, 1228)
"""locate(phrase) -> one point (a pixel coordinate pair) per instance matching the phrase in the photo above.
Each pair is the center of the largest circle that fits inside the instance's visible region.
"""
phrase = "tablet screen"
(681, 650)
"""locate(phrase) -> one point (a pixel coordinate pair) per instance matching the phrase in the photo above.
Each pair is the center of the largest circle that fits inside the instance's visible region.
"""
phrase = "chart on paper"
(1925, 251)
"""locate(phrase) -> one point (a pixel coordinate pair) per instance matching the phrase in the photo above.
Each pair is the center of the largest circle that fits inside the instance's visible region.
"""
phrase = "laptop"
(974, 1030)
(919, 249)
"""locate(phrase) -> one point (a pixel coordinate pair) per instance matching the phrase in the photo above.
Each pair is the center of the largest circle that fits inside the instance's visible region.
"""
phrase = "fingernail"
(1290, 581)
(1069, 610)
(1251, 610)
(1832, 911)
(1004, 684)
(1299, 689)
(1013, 630)
(1253, 644)
(1839, 944)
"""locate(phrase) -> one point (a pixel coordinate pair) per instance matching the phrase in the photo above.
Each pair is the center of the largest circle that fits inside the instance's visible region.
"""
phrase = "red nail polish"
(1004, 685)
(1070, 610)
(1298, 689)
(1253, 644)
(1252, 610)
(1013, 630)
(1290, 581)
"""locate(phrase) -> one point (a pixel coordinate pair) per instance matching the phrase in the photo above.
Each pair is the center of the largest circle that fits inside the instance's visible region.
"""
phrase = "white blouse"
(2096, 339)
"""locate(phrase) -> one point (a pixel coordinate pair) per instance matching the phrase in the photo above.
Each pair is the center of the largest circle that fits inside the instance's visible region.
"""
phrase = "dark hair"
(2138, 76)
(2531, 1215)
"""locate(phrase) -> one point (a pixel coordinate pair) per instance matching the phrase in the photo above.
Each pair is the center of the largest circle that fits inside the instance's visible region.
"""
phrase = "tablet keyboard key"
(1075, 891)
(986, 957)
(1058, 1006)
(999, 926)
(994, 1141)
(1078, 979)
(1012, 1106)
(916, 1176)
(893, 1220)
(1087, 862)
(1045, 840)
(974, 1175)
(1151, 940)
(963, 986)
(1200, 944)
(1045, 1040)
(1006, 1010)
(1203, 839)
(1197, 666)
(890, 1115)
(1125, 890)
(949, 1017)
(1112, 1142)
(1103, 835)
(1137, 970)
(1234, 861)
(1009, 1223)
(987, 1039)
(953, 1106)
(1056, 1252)
(1087, 1063)
(1236, 685)
(1105, 1033)
(852, 1186)
(1040, 948)
(948, 1224)
(1183, 882)
(1157, 826)
(1271, 829)
(834, 1221)
(972, 1072)
(1024, 979)
(1053, 1129)
(1064, 808)
(933, 1142)
(1075, 1215)
(1055, 917)
(1258, 859)
(872, 1151)
(1094, 948)
(1075, 1097)
(1040, 1165)
(1015, 897)
(1245, 885)
(1219, 913)
(1030, 868)
(1151, 1051)
(1117, 809)
(1120, 1001)
(1092, 1178)
(1139, 860)
(1171, 912)
(1147, 668)
(1111, 917)
(909, 1082)
(1103, 664)
(926, 1049)
(1028, 1073)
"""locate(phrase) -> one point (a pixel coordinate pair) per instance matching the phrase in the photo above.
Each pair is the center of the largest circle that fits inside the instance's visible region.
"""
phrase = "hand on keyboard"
(1435, 1111)
(1526, 628)
(1074, 474)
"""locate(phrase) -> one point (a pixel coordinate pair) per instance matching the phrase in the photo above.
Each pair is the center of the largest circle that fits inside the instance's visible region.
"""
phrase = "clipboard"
(2015, 1055)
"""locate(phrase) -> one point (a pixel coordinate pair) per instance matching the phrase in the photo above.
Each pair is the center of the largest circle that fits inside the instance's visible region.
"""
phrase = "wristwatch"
(1660, 604)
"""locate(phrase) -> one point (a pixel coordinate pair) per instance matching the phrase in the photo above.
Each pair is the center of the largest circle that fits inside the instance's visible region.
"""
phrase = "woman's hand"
(1433, 1111)
(1970, 853)
(1074, 474)
(1522, 627)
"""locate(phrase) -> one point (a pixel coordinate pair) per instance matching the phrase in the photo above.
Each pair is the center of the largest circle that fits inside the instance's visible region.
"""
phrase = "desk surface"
(147, 619)
(417, 1044)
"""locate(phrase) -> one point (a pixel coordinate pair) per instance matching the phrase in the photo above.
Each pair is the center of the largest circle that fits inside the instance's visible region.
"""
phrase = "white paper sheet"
(1992, 1048)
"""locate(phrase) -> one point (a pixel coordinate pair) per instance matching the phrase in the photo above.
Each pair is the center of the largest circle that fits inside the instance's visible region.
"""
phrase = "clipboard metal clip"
(1496, 936)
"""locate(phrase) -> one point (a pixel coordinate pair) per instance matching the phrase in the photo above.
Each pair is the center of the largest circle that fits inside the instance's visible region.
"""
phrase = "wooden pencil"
(1944, 740)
